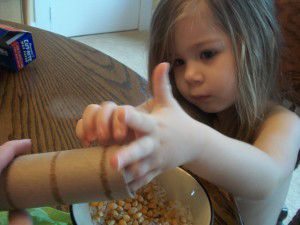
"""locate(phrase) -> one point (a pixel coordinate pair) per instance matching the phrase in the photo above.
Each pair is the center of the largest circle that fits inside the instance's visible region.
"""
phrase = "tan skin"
(256, 174)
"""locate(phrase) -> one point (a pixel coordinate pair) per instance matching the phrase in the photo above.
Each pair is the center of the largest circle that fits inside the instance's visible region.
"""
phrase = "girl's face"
(204, 66)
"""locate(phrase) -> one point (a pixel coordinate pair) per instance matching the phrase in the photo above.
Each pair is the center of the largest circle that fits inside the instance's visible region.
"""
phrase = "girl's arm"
(164, 137)
(250, 171)
(171, 138)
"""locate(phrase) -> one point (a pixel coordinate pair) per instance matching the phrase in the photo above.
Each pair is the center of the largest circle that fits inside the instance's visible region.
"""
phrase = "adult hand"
(8, 151)
(19, 217)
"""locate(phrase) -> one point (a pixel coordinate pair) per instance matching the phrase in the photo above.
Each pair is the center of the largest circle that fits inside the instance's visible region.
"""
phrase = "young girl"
(224, 58)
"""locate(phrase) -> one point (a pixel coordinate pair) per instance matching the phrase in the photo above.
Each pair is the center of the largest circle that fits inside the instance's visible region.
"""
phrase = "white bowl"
(179, 185)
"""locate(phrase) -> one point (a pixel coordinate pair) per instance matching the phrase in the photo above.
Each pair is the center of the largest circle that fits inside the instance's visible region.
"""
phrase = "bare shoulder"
(283, 116)
(281, 121)
(279, 136)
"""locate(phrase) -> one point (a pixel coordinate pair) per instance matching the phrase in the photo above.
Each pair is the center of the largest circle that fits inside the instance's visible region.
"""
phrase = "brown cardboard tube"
(65, 177)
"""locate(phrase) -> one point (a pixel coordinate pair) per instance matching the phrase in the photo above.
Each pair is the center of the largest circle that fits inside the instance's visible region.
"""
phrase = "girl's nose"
(193, 74)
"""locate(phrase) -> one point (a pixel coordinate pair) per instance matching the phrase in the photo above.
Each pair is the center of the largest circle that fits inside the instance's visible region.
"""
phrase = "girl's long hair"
(256, 39)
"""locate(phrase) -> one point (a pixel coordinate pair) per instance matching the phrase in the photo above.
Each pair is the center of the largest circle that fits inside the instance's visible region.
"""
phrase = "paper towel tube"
(65, 177)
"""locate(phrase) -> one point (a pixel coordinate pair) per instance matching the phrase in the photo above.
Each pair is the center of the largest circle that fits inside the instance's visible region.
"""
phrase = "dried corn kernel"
(149, 206)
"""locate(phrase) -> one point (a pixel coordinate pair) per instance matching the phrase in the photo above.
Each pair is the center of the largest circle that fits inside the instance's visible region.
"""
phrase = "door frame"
(145, 14)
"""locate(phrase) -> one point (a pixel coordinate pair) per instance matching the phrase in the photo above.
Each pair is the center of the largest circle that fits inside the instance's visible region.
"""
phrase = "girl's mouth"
(200, 97)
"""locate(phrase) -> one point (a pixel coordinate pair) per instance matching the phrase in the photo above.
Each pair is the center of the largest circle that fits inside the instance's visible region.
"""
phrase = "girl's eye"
(208, 54)
(178, 62)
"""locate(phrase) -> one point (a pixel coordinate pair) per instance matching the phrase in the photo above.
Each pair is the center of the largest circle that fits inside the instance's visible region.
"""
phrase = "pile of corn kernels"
(150, 206)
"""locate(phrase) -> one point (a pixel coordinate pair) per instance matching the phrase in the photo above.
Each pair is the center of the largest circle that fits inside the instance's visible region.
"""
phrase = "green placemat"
(43, 216)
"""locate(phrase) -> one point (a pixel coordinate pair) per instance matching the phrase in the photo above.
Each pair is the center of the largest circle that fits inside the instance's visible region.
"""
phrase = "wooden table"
(44, 100)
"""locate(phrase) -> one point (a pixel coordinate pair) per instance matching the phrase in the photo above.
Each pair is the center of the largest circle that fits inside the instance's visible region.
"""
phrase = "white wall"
(11, 10)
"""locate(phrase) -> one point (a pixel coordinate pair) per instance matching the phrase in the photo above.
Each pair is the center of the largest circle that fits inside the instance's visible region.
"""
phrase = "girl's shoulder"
(282, 123)
(279, 136)
(282, 112)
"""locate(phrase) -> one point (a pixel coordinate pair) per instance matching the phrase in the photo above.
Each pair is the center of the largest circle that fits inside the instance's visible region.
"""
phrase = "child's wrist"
(198, 139)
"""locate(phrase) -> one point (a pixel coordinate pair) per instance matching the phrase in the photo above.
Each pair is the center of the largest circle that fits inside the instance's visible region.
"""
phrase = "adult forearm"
(240, 168)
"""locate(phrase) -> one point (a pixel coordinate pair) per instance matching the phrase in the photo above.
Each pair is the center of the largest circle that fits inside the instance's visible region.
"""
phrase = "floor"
(130, 48)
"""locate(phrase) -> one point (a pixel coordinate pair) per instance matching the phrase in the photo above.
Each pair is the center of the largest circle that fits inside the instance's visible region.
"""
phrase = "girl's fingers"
(120, 129)
(139, 121)
(104, 122)
(89, 122)
(162, 91)
(80, 133)
(139, 169)
(135, 151)
(137, 184)
(110, 123)
(11, 149)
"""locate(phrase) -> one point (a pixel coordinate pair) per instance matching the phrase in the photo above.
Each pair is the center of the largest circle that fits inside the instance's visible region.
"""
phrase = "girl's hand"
(8, 152)
(101, 123)
(105, 123)
(165, 139)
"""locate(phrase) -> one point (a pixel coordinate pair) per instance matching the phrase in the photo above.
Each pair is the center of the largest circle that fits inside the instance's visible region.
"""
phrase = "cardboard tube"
(65, 177)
